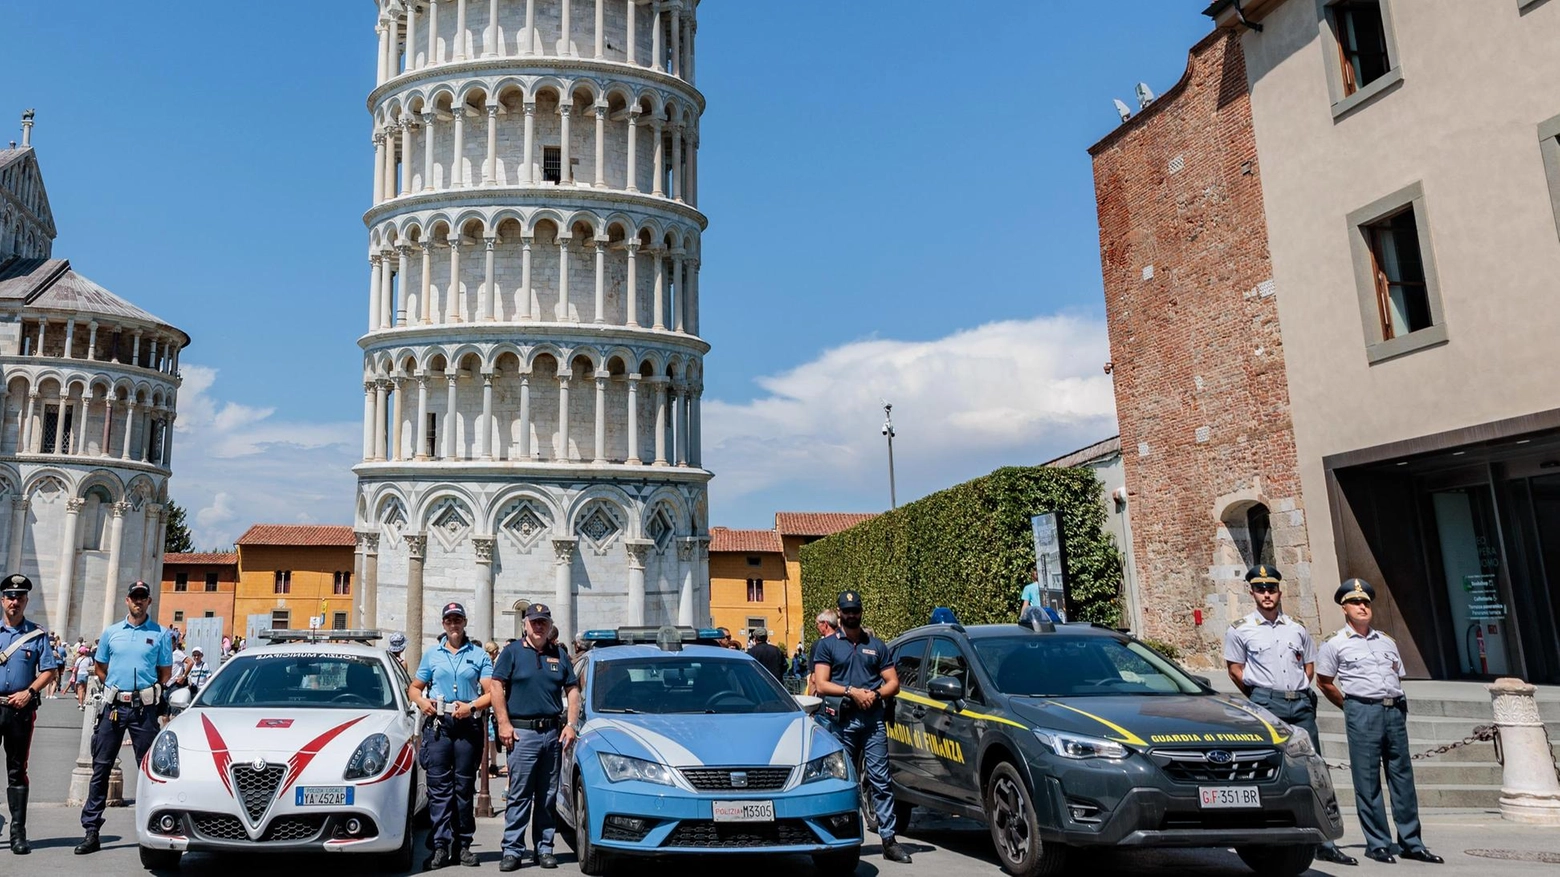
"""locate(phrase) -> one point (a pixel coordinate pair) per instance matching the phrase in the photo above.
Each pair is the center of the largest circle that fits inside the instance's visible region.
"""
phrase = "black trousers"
(451, 750)
(140, 722)
(16, 732)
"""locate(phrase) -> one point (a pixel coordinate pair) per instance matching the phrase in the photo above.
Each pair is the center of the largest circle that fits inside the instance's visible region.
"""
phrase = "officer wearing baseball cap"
(134, 660)
(537, 678)
(27, 665)
(454, 684)
(856, 666)
(1361, 671)
(397, 646)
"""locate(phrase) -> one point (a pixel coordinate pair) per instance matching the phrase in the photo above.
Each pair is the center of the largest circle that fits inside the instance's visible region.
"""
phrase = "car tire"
(1015, 829)
(837, 863)
(593, 862)
(160, 860)
(1289, 861)
(902, 814)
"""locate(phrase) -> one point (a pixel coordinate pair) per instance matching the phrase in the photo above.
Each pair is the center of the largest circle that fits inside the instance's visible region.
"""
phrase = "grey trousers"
(533, 790)
(1379, 735)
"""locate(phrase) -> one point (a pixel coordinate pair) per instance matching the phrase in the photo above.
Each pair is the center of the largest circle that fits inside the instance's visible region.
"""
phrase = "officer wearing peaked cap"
(856, 666)
(27, 665)
(1361, 671)
(1270, 656)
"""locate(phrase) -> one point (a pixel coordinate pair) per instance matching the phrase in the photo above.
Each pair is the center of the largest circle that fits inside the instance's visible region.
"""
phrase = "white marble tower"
(533, 365)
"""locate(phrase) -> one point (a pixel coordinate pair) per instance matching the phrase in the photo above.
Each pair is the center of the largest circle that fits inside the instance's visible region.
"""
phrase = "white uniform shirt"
(1366, 666)
(1275, 652)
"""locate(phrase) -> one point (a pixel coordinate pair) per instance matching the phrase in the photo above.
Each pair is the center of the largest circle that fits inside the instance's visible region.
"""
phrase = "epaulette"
(1238, 622)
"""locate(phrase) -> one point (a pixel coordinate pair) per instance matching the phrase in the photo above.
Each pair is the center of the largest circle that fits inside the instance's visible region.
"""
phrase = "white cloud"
(1007, 393)
(236, 465)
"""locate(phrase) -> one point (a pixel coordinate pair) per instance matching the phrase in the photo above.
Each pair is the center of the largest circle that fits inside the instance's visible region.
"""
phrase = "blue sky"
(900, 205)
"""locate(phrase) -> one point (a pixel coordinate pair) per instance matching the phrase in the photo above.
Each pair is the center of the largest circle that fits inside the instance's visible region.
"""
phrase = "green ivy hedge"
(970, 548)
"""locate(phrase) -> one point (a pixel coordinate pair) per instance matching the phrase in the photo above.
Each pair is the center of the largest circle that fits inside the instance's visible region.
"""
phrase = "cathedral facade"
(532, 362)
(86, 419)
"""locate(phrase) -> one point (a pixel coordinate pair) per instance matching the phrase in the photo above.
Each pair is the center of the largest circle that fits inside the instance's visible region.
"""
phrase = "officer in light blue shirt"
(454, 685)
(134, 660)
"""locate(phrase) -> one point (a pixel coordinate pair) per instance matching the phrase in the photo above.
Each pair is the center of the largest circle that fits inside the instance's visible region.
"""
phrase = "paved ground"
(942, 847)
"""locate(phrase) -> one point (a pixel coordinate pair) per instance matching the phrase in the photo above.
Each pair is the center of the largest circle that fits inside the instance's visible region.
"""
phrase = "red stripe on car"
(403, 763)
(298, 762)
(219, 753)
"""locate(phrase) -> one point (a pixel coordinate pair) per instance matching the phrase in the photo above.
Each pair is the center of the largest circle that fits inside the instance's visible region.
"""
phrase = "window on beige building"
(283, 581)
(211, 583)
(338, 621)
(181, 581)
(755, 590)
(178, 615)
(280, 619)
(342, 586)
(755, 561)
(1399, 293)
(1362, 57)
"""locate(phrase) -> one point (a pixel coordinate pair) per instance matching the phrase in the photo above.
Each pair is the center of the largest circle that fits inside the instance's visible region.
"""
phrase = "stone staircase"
(1440, 713)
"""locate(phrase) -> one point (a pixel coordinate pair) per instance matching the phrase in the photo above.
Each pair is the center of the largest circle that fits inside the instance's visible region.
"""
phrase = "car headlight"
(621, 768)
(1078, 746)
(165, 755)
(831, 766)
(369, 759)
(1299, 744)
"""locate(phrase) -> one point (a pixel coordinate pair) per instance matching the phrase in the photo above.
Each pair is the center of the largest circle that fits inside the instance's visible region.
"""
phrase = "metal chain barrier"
(1481, 734)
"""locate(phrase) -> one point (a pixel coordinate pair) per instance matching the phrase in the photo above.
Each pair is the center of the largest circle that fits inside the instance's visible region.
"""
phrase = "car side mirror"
(1204, 681)
(809, 704)
(179, 698)
(945, 688)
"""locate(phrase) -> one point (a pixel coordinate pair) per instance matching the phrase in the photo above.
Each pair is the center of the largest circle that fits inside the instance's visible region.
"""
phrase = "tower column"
(677, 170)
(563, 585)
(129, 430)
(460, 41)
(659, 310)
(368, 420)
(108, 420)
(425, 296)
(452, 306)
(430, 118)
(485, 430)
(679, 295)
(600, 455)
(565, 167)
(433, 58)
(419, 428)
(565, 45)
(658, 128)
(633, 419)
(406, 156)
(381, 396)
(631, 33)
(492, 37)
(563, 417)
(416, 550)
(373, 292)
(601, 29)
(526, 173)
(490, 167)
(67, 580)
(530, 28)
(638, 550)
(411, 37)
(526, 450)
(482, 608)
(660, 421)
(397, 421)
(449, 415)
(631, 284)
(457, 164)
(687, 556)
(19, 507)
(488, 295)
(601, 140)
(386, 292)
(563, 279)
(113, 587)
(600, 246)
(525, 278)
(403, 270)
(633, 140)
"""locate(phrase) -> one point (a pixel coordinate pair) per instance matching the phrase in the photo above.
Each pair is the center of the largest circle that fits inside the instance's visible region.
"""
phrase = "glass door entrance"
(1470, 562)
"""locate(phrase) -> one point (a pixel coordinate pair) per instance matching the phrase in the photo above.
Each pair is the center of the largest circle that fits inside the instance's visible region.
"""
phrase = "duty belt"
(1377, 701)
(541, 723)
(1284, 695)
(131, 696)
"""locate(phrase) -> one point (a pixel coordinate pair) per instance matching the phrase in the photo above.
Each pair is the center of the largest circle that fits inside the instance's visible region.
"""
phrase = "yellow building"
(756, 575)
(289, 573)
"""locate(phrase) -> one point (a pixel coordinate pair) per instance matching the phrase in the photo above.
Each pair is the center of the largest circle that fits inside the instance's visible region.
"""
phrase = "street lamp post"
(888, 430)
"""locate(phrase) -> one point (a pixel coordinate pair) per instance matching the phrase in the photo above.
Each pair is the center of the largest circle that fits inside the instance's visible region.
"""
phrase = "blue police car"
(687, 747)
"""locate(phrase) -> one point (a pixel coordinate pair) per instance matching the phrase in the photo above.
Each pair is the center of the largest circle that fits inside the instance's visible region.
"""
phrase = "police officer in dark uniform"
(27, 666)
(1361, 671)
(1271, 657)
(856, 666)
(134, 660)
(538, 680)
(454, 684)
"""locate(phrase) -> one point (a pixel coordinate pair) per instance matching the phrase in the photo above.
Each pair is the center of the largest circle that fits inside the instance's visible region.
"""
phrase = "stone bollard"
(1529, 788)
(81, 774)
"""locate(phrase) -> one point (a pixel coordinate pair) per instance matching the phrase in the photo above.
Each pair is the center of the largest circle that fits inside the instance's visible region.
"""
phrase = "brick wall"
(1201, 392)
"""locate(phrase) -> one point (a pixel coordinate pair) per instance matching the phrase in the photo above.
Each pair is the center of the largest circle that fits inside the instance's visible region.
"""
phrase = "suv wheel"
(1014, 829)
(1289, 861)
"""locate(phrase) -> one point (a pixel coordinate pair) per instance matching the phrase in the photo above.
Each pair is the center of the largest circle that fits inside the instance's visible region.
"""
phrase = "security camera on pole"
(888, 430)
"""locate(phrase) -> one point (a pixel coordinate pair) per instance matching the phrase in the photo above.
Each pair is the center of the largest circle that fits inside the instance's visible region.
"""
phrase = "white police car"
(297, 747)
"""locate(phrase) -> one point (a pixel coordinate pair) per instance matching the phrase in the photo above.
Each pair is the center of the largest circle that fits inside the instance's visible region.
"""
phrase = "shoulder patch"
(1239, 622)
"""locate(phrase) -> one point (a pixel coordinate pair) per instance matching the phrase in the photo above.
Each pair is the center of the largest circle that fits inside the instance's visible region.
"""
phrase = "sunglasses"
(1265, 589)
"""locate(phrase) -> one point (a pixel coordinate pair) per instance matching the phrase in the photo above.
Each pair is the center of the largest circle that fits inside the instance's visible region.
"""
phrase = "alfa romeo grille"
(1218, 765)
(294, 828)
(256, 788)
(219, 826)
(751, 779)
(716, 835)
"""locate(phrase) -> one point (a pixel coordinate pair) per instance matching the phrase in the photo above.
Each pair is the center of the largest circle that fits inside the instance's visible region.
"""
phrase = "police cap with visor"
(16, 585)
(1354, 590)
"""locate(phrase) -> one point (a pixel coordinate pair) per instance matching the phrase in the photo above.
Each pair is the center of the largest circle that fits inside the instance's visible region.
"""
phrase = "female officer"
(454, 685)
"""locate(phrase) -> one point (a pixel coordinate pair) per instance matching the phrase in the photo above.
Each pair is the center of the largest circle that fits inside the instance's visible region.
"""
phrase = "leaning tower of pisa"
(532, 366)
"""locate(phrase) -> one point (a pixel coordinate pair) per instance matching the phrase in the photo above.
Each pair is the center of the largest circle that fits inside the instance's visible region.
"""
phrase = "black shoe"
(547, 860)
(1423, 855)
(893, 852)
(440, 858)
(89, 844)
(1335, 855)
(1384, 856)
(16, 797)
(510, 862)
(468, 858)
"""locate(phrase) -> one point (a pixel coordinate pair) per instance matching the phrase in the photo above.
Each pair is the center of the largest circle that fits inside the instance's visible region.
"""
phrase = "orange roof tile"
(746, 541)
(301, 535)
(201, 558)
(818, 523)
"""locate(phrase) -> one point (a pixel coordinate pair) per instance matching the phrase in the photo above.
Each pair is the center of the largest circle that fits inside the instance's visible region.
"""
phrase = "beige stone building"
(1411, 182)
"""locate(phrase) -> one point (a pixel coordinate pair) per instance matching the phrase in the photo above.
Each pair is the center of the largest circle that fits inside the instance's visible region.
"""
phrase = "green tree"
(177, 539)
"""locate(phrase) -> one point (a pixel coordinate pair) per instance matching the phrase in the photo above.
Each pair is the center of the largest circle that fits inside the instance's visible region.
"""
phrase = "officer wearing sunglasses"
(1273, 658)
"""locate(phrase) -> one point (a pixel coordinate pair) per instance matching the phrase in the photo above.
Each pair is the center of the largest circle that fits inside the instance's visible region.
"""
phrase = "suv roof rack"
(289, 635)
(668, 637)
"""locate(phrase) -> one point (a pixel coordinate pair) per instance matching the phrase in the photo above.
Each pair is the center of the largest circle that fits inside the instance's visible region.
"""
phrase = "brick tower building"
(533, 365)
(1201, 392)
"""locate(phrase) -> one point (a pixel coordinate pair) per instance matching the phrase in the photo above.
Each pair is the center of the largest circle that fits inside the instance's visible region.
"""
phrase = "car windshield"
(300, 680)
(1063, 666)
(686, 685)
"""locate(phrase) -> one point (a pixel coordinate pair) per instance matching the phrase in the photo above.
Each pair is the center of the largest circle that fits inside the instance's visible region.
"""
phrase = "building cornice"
(533, 333)
(466, 471)
(37, 364)
(535, 67)
(496, 198)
